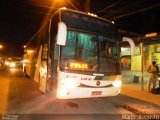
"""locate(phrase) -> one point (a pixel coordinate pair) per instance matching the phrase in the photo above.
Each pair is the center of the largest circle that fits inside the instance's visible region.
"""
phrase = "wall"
(136, 63)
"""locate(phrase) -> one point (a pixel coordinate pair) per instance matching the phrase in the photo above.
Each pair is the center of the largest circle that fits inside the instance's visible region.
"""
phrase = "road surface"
(20, 95)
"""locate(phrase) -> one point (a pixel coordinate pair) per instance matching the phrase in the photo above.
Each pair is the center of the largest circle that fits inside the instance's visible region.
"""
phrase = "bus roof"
(84, 13)
(71, 11)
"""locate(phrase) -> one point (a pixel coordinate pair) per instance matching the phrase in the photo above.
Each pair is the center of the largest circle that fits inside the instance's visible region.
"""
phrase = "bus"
(75, 55)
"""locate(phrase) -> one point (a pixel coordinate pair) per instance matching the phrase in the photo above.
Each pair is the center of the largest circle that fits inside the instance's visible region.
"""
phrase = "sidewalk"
(134, 90)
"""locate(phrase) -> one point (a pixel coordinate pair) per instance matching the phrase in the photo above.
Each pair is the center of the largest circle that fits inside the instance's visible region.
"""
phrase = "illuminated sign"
(151, 35)
(127, 51)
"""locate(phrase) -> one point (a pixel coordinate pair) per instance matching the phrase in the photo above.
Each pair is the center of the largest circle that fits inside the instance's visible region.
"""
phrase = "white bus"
(75, 55)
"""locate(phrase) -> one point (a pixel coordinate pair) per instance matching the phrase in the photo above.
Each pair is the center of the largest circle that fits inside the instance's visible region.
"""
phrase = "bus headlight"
(12, 64)
(117, 83)
(6, 63)
(70, 83)
(66, 85)
(62, 93)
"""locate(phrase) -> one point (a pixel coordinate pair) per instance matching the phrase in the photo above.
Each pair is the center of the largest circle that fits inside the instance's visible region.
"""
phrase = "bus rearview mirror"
(62, 34)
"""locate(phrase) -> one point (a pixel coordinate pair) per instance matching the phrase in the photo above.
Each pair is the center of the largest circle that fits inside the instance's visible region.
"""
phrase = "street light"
(1, 46)
(63, 1)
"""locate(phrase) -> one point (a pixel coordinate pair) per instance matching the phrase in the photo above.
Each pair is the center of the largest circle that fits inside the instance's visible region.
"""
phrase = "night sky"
(20, 19)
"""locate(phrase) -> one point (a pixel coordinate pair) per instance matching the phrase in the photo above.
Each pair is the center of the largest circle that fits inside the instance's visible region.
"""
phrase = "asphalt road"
(20, 96)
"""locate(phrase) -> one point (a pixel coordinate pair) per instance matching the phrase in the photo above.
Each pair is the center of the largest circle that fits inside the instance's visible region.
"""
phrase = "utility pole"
(87, 6)
(141, 44)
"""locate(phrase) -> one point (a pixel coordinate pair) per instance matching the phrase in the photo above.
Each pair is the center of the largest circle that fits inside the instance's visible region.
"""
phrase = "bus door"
(42, 63)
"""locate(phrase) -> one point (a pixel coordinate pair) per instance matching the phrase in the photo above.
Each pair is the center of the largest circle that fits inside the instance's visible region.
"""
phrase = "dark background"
(20, 19)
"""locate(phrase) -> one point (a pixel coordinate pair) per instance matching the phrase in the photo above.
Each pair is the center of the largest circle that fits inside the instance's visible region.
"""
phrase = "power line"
(72, 4)
(134, 12)
(38, 5)
(110, 6)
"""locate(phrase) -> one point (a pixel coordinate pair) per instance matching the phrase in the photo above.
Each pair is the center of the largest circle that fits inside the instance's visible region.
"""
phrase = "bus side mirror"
(62, 34)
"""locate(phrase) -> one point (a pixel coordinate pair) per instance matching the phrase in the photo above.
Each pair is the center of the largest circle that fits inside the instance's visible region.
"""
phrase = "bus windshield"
(89, 52)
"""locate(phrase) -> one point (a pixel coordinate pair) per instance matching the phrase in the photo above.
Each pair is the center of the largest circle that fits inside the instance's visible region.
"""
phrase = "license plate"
(96, 93)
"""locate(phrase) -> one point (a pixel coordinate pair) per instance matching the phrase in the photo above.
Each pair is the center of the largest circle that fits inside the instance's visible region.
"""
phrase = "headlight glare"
(117, 83)
(12, 64)
(62, 93)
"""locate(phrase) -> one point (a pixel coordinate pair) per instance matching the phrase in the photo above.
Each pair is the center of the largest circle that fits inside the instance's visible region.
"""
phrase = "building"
(147, 49)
